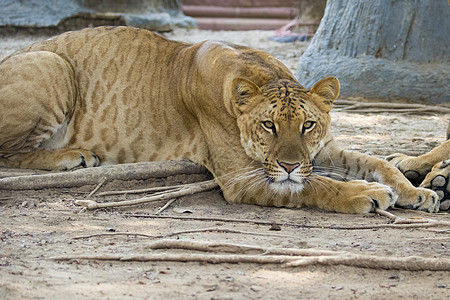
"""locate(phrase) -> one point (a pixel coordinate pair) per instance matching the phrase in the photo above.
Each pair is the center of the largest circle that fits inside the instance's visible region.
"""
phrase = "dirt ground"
(37, 226)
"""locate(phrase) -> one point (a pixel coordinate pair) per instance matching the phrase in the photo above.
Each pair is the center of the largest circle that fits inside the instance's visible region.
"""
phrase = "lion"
(112, 95)
(430, 170)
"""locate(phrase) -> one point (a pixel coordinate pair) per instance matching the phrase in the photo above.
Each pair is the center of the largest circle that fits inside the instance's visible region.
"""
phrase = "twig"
(237, 248)
(410, 263)
(10, 172)
(315, 256)
(137, 191)
(225, 230)
(114, 234)
(191, 257)
(445, 231)
(147, 190)
(165, 206)
(409, 221)
(287, 257)
(199, 187)
(90, 176)
(386, 214)
(296, 225)
(386, 110)
(97, 187)
(377, 107)
(176, 233)
(344, 102)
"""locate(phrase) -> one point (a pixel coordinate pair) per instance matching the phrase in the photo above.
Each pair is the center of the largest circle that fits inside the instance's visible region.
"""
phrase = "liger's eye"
(308, 125)
(268, 125)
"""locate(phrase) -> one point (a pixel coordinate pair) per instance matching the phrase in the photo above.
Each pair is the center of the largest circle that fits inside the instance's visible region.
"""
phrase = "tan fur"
(430, 170)
(416, 168)
(120, 95)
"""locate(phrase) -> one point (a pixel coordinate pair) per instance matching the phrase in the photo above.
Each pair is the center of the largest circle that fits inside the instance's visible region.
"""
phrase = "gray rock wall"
(158, 15)
(382, 49)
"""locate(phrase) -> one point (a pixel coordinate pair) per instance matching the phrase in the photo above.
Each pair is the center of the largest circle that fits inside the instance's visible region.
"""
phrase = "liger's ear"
(243, 91)
(325, 91)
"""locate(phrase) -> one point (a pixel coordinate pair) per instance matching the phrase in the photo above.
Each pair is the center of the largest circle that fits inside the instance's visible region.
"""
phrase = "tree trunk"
(382, 49)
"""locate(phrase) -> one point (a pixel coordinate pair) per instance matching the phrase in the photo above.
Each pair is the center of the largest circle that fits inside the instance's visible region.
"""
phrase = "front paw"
(365, 197)
(78, 158)
(414, 168)
(438, 181)
(418, 198)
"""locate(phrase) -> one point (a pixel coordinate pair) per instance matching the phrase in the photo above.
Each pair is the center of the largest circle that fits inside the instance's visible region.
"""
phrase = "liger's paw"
(418, 198)
(73, 159)
(438, 181)
(368, 196)
(414, 168)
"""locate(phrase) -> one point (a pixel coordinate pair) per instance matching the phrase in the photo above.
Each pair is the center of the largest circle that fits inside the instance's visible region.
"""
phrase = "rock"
(156, 15)
(382, 49)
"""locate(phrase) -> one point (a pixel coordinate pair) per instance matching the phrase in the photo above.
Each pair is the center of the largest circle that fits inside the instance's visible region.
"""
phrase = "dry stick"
(386, 214)
(358, 105)
(139, 191)
(355, 106)
(439, 231)
(89, 176)
(115, 234)
(212, 229)
(296, 225)
(97, 187)
(386, 110)
(287, 256)
(165, 206)
(237, 248)
(147, 190)
(344, 102)
(166, 191)
(400, 220)
(226, 230)
(9, 172)
(192, 257)
(317, 256)
(411, 263)
(200, 187)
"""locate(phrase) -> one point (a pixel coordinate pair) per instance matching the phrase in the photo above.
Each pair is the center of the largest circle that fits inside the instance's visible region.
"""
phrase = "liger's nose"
(289, 167)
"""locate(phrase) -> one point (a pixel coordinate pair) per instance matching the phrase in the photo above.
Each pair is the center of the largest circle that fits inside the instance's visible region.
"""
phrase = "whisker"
(244, 176)
(318, 180)
(337, 171)
(248, 186)
(313, 186)
(327, 152)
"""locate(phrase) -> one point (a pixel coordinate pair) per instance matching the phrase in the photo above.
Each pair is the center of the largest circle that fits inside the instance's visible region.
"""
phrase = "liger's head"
(283, 125)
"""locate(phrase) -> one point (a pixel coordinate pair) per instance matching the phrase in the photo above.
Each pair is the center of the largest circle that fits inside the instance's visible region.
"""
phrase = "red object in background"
(241, 14)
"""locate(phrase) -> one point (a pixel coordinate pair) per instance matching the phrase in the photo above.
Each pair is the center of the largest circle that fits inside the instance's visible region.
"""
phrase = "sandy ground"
(36, 226)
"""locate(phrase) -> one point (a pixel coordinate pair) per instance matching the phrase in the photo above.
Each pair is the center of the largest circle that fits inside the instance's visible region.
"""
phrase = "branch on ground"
(379, 107)
(189, 190)
(89, 176)
(287, 257)
(413, 224)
